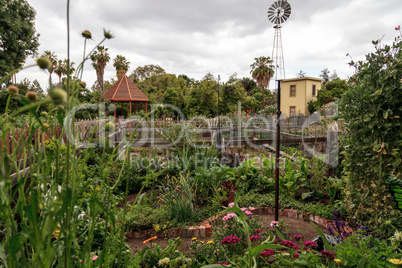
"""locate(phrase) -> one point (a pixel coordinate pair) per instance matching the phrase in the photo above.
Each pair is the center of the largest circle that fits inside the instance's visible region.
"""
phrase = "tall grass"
(51, 214)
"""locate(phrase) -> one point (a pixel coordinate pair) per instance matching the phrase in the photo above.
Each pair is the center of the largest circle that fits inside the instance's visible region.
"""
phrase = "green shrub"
(372, 111)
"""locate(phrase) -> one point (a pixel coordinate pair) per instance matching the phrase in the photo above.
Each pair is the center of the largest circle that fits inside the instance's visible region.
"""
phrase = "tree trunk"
(99, 75)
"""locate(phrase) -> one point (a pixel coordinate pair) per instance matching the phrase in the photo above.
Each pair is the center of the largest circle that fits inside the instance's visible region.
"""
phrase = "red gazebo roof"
(124, 90)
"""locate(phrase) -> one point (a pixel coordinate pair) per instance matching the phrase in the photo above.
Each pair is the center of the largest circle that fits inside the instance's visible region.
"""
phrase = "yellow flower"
(156, 227)
(210, 242)
(202, 242)
(337, 260)
(56, 232)
(194, 238)
(396, 261)
(97, 188)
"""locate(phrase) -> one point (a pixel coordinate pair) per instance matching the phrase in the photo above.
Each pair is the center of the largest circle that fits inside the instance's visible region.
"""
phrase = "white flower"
(397, 238)
(163, 261)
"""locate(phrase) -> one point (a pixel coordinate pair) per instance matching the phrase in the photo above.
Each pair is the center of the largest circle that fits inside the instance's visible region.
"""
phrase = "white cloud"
(221, 36)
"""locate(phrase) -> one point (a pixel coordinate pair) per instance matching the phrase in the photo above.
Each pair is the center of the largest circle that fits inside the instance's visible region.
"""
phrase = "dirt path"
(293, 225)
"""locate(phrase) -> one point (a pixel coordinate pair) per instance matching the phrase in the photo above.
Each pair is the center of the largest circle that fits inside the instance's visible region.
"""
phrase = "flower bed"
(205, 229)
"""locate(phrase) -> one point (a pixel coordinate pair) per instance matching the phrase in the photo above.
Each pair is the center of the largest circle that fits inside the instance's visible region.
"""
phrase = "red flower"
(398, 28)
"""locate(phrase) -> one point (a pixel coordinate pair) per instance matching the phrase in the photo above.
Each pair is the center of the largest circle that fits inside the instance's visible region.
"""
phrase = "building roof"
(124, 90)
(303, 78)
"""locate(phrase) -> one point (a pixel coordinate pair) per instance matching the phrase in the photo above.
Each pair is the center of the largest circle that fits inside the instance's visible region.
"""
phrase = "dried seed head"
(32, 96)
(86, 34)
(44, 63)
(107, 34)
(83, 84)
(58, 95)
(12, 90)
(45, 125)
(109, 126)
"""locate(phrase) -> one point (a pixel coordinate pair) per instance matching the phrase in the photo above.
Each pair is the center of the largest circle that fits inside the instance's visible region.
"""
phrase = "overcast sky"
(218, 36)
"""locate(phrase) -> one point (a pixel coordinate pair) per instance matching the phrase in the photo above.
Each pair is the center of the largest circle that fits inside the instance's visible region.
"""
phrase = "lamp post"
(277, 149)
(219, 123)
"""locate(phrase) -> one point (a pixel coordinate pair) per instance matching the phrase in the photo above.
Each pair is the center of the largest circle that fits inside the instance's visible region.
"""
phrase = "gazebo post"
(146, 107)
(135, 108)
(130, 108)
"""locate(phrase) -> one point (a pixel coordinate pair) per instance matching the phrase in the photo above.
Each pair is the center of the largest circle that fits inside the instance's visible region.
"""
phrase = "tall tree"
(18, 37)
(99, 60)
(325, 75)
(60, 69)
(121, 64)
(262, 72)
(300, 74)
(203, 99)
(144, 72)
(248, 84)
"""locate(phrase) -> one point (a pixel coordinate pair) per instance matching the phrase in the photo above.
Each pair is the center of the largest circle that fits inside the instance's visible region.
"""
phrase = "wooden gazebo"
(124, 90)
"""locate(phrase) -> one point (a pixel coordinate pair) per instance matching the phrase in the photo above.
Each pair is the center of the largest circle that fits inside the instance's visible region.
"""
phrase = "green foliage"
(231, 93)
(24, 86)
(377, 252)
(330, 92)
(18, 35)
(372, 111)
(203, 100)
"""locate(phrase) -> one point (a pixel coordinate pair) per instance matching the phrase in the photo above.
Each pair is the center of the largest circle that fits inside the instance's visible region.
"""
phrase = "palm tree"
(121, 64)
(60, 70)
(262, 72)
(53, 58)
(99, 60)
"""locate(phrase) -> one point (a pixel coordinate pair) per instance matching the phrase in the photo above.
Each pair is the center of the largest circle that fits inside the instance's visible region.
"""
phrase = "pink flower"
(80, 261)
(230, 239)
(398, 28)
(274, 223)
(248, 212)
(298, 237)
(290, 244)
(231, 204)
(229, 216)
(92, 253)
(328, 254)
(295, 255)
(94, 258)
(267, 252)
(255, 237)
(309, 244)
(258, 230)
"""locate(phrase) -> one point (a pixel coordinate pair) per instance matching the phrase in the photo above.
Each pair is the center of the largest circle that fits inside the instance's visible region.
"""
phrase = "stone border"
(205, 229)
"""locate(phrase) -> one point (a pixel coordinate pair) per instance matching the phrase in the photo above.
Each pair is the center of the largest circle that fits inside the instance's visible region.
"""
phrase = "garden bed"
(294, 224)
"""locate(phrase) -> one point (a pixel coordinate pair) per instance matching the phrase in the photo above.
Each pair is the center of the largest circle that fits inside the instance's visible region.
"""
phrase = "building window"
(292, 111)
(313, 90)
(293, 91)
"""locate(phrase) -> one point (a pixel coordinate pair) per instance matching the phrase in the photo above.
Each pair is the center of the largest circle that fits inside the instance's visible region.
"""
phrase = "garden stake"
(278, 141)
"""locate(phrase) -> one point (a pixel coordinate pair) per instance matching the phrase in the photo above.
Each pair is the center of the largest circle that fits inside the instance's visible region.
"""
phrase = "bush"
(372, 110)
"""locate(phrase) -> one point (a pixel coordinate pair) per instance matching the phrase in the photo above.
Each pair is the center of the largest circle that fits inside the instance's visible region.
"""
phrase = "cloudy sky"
(218, 36)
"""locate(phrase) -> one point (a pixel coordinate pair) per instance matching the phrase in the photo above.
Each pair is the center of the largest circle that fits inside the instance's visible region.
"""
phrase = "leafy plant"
(372, 111)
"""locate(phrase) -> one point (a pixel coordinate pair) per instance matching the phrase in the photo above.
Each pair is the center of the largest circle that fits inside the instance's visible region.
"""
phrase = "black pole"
(219, 124)
(278, 142)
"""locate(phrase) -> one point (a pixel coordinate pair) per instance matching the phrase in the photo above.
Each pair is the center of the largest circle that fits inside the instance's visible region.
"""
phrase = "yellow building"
(296, 93)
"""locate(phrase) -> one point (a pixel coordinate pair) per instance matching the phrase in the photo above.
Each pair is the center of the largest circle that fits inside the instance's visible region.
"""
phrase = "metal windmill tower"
(278, 13)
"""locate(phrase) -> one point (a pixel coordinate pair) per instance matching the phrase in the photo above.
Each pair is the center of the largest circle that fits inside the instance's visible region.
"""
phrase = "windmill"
(278, 13)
